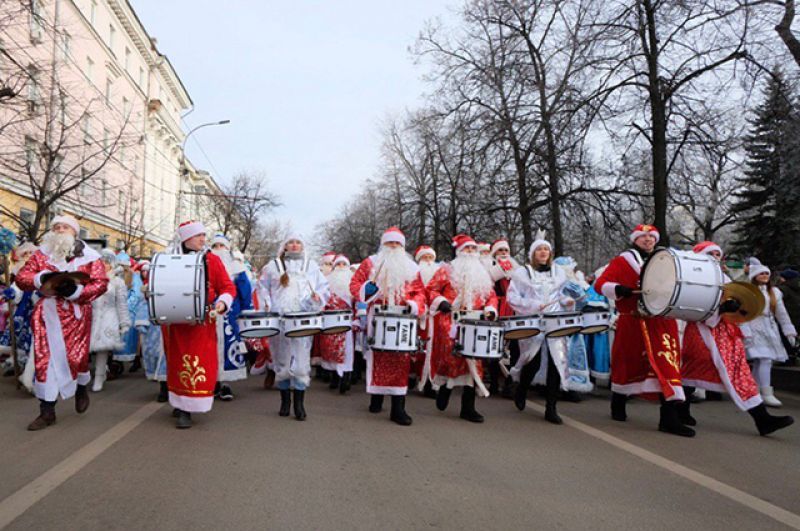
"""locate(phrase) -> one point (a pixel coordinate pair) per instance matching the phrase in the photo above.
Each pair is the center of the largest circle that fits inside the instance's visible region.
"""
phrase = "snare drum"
(480, 339)
(255, 323)
(394, 332)
(521, 326)
(560, 324)
(301, 324)
(595, 322)
(177, 289)
(681, 285)
(336, 321)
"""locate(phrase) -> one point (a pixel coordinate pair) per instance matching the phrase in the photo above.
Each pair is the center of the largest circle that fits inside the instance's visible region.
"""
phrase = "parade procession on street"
(579, 220)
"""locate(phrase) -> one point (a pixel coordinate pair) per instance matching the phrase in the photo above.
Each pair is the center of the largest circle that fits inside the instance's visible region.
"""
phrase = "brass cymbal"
(749, 297)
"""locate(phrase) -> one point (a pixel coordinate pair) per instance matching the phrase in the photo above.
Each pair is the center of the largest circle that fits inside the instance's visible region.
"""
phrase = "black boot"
(552, 387)
(618, 401)
(375, 403)
(299, 408)
(468, 405)
(47, 416)
(443, 397)
(399, 415)
(766, 423)
(525, 378)
(81, 399)
(494, 377)
(325, 375)
(184, 420)
(508, 388)
(163, 392)
(334, 380)
(286, 403)
(684, 414)
(427, 390)
(670, 423)
(344, 383)
(136, 365)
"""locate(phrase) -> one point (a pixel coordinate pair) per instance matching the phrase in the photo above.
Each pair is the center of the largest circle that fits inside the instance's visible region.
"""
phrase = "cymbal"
(748, 296)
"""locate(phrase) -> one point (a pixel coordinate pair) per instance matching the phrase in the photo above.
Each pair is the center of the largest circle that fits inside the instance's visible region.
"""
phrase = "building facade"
(94, 125)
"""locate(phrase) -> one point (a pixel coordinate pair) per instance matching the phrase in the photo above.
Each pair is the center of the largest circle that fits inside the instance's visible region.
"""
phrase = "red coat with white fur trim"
(646, 356)
(445, 366)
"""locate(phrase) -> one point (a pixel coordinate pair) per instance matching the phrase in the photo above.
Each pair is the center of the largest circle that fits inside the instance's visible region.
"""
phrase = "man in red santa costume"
(192, 360)
(646, 355)
(713, 358)
(337, 349)
(425, 257)
(62, 318)
(463, 285)
(326, 267)
(501, 269)
(389, 278)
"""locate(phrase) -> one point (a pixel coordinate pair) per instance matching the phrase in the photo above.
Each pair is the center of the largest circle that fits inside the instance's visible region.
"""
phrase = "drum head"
(258, 333)
(522, 333)
(303, 333)
(595, 329)
(564, 332)
(658, 282)
(336, 330)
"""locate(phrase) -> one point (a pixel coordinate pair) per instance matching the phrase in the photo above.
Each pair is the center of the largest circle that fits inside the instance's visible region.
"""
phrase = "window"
(25, 219)
(126, 107)
(33, 84)
(36, 21)
(112, 36)
(120, 245)
(121, 203)
(87, 128)
(89, 68)
(83, 234)
(66, 43)
(106, 136)
(127, 59)
(30, 154)
(108, 92)
(141, 78)
(103, 191)
(122, 156)
(93, 12)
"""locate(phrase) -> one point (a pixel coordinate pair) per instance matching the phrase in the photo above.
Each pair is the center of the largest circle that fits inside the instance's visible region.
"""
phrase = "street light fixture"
(182, 170)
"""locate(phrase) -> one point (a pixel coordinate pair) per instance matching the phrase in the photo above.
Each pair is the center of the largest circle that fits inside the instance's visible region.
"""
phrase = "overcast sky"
(306, 85)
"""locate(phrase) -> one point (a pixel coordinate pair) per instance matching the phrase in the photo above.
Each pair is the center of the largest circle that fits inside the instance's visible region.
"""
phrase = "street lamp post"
(182, 168)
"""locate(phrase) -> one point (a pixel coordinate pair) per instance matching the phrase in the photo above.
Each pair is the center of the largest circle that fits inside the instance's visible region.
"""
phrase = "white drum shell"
(394, 333)
(336, 322)
(302, 324)
(595, 322)
(521, 326)
(681, 285)
(560, 324)
(177, 289)
(253, 324)
(480, 339)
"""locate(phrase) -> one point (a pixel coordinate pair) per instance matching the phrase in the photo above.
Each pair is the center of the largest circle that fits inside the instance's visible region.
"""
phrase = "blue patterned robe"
(231, 349)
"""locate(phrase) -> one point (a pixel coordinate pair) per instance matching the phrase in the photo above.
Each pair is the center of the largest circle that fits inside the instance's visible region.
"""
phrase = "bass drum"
(177, 289)
(681, 285)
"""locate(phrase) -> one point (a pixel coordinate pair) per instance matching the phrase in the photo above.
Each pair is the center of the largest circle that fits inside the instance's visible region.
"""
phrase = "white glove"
(792, 340)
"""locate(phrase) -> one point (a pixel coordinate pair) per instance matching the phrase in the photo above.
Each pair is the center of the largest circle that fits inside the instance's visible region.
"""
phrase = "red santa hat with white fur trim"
(328, 257)
(707, 247)
(460, 241)
(66, 219)
(393, 235)
(190, 229)
(424, 250)
(643, 229)
(499, 245)
(483, 247)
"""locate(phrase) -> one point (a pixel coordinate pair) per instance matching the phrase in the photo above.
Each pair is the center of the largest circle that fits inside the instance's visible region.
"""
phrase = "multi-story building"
(95, 126)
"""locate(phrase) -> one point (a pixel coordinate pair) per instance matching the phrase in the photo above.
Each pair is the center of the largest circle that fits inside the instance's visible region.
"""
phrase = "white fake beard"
(396, 268)
(58, 246)
(226, 257)
(470, 279)
(427, 270)
(339, 282)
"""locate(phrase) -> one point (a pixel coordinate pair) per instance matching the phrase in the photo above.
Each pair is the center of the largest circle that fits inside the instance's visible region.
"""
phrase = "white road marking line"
(748, 500)
(14, 505)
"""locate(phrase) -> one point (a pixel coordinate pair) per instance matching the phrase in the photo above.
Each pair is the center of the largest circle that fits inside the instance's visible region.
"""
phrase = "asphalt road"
(122, 465)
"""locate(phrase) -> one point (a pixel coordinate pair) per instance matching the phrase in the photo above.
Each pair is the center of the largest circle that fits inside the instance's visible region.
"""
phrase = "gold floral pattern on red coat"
(192, 372)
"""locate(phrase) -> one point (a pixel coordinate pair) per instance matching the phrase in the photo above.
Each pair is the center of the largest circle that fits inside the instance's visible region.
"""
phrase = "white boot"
(100, 367)
(769, 397)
